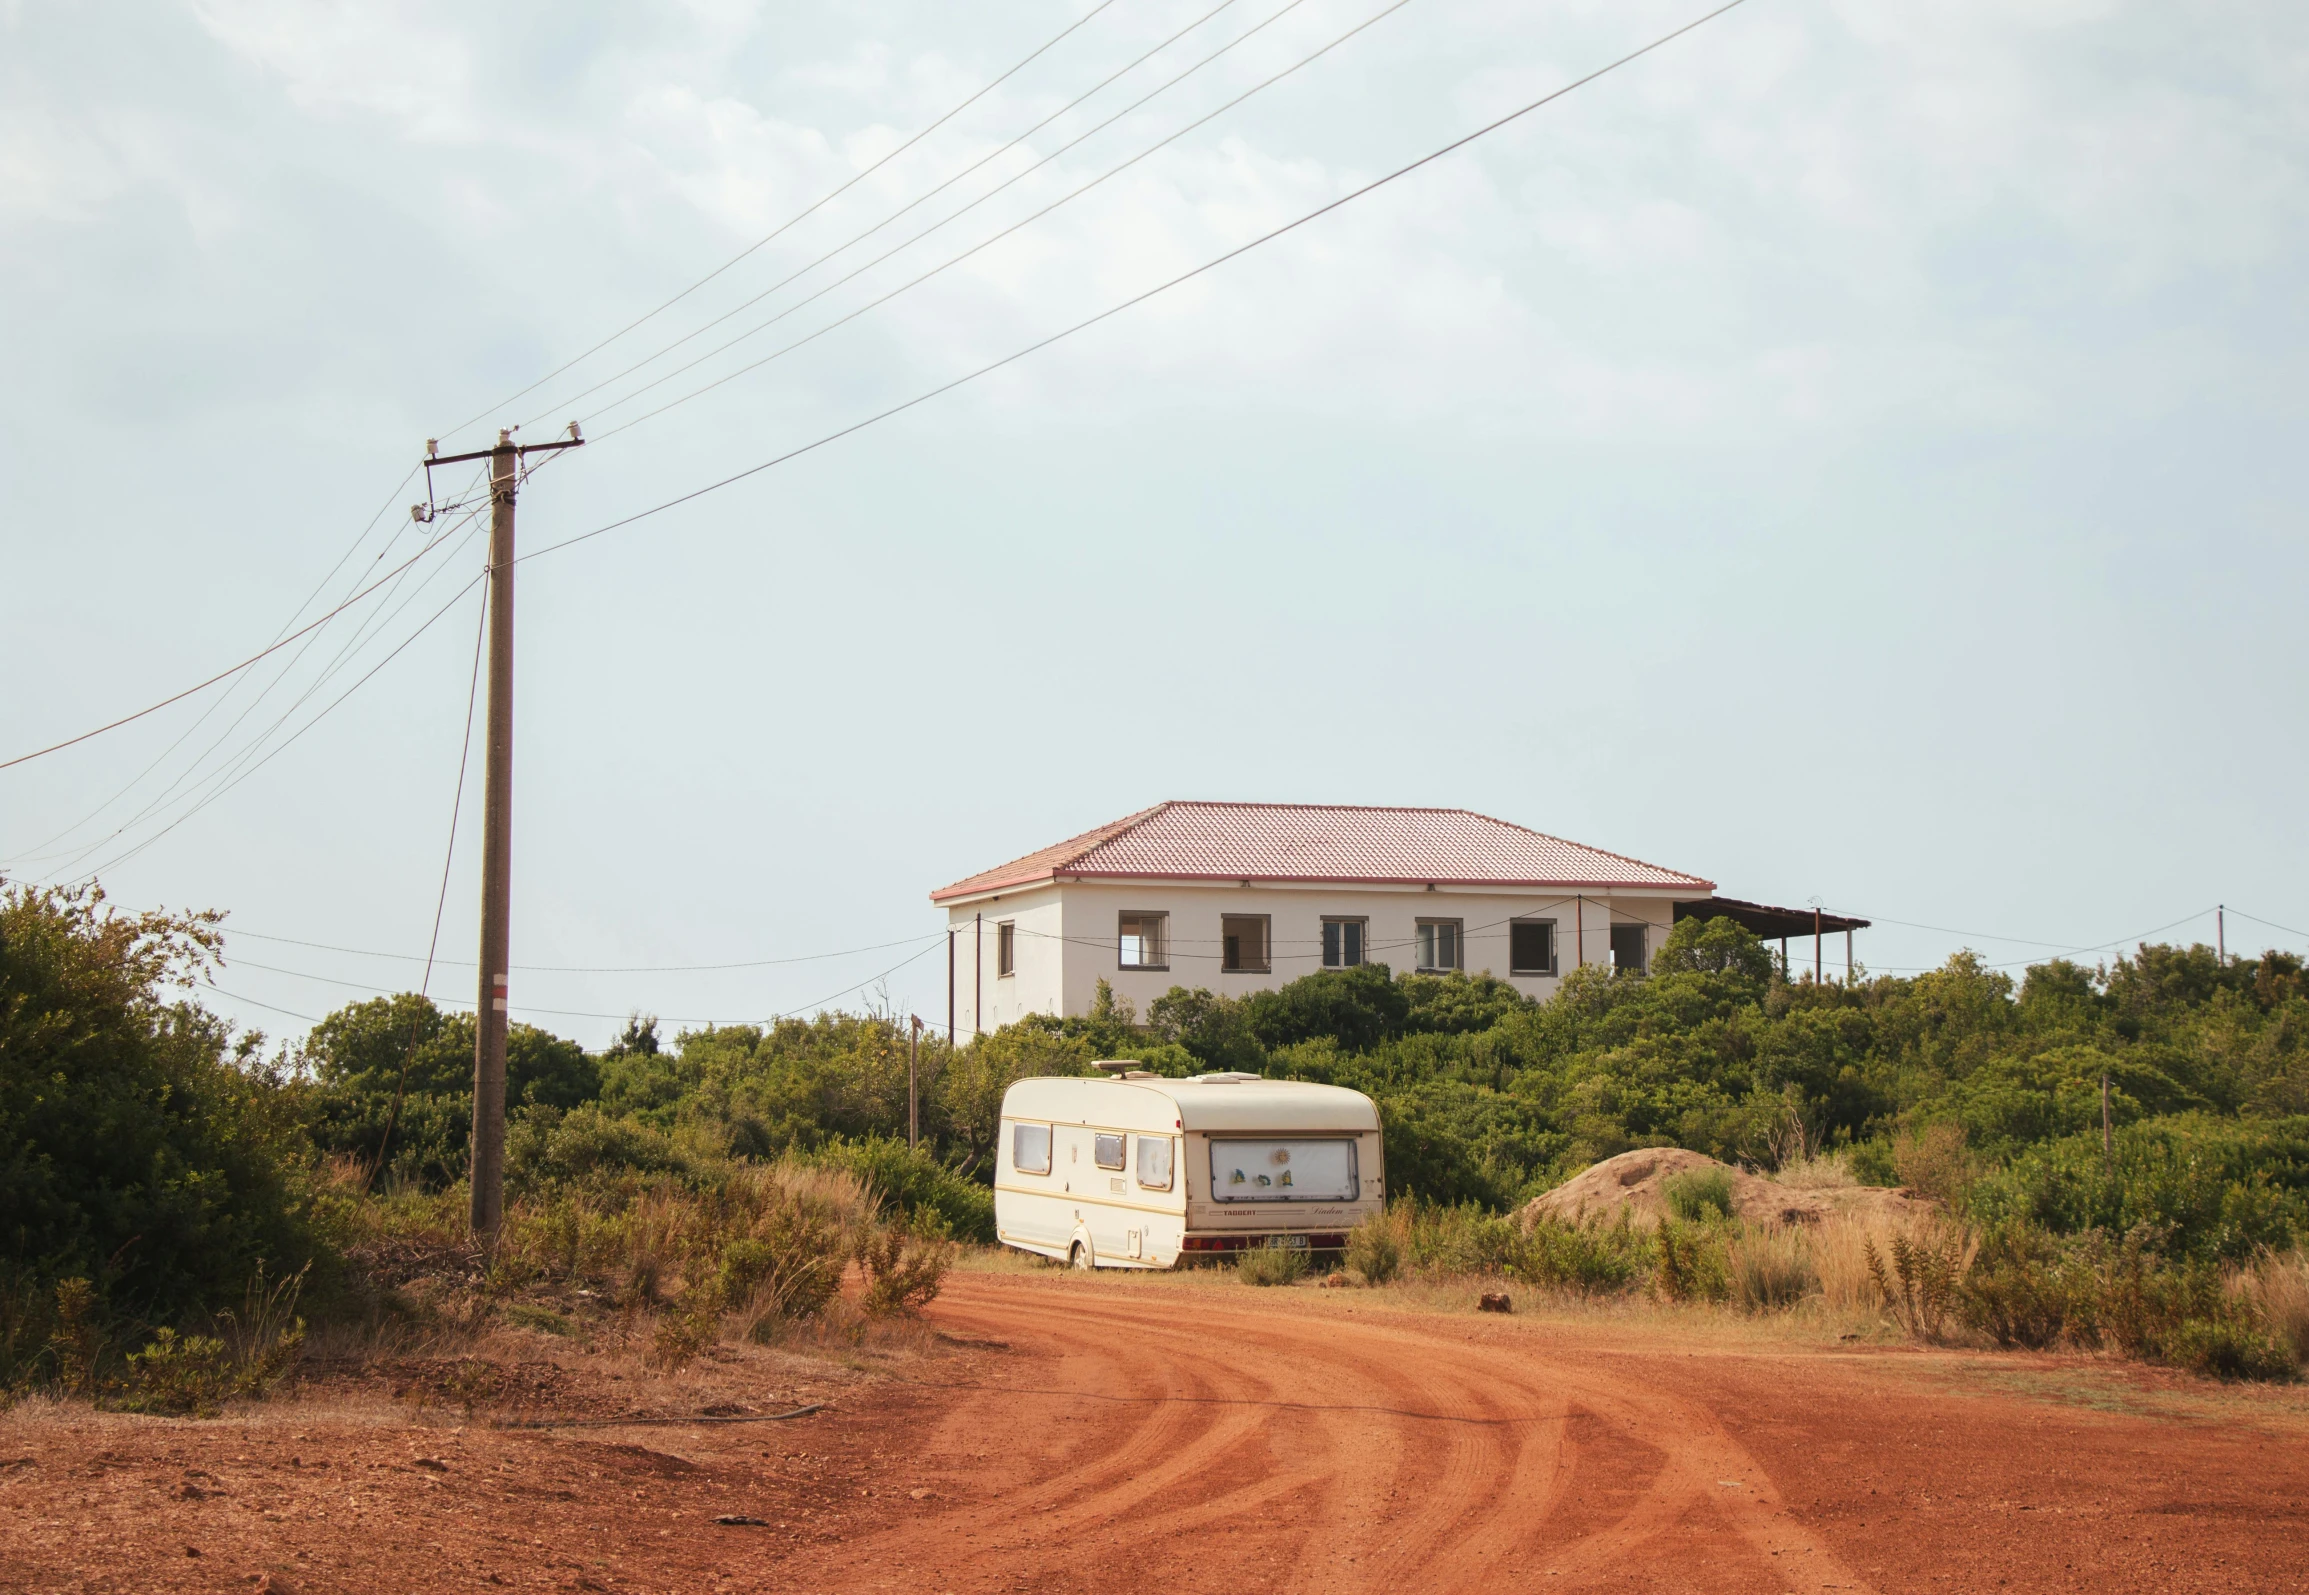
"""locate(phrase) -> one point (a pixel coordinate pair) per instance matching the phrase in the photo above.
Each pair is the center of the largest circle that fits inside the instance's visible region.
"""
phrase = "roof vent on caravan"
(1223, 1077)
(1123, 1069)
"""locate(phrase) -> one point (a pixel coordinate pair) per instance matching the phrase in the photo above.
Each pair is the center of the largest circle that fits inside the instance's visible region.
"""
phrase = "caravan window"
(1106, 1151)
(1154, 1162)
(1030, 1148)
(1295, 1170)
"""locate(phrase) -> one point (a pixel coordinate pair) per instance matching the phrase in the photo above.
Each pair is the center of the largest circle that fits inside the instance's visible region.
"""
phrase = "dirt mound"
(1635, 1181)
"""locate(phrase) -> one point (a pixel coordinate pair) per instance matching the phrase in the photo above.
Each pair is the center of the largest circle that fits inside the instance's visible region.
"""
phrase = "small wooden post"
(914, 1085)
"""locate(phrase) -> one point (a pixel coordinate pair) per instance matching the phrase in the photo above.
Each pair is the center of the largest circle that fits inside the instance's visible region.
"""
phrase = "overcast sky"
(1852, 452)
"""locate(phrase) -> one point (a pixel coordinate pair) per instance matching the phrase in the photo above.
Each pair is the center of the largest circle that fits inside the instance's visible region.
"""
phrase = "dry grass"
(1822, 1171)
(2278, 1285)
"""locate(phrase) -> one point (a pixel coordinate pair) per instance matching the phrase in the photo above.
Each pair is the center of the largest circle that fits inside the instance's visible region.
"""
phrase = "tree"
(400, 1067)
(141, 1146)
(1718, 946)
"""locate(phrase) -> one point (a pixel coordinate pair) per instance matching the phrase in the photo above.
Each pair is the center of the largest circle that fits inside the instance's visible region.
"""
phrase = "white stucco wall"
(1067, 939)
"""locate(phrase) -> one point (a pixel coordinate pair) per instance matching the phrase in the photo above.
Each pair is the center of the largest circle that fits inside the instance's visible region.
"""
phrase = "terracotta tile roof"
(1308, 842)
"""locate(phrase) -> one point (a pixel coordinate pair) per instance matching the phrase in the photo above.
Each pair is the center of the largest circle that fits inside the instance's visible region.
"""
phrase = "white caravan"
(1137, 1171)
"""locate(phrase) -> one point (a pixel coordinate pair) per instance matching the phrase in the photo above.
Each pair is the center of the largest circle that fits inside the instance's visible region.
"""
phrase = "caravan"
(1138, 1171)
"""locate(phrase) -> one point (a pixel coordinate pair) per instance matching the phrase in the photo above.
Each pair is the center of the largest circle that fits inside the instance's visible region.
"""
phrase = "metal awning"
(1773, 924)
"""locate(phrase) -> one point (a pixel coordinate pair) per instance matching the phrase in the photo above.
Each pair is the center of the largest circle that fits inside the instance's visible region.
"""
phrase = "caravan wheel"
(1079, 1257)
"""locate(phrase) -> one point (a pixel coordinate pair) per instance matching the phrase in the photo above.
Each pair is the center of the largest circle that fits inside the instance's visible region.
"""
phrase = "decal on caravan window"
(1284, 1171)
(1030, 1148)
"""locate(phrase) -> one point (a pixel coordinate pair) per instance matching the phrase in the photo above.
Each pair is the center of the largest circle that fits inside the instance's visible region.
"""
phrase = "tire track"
(1172, 1435)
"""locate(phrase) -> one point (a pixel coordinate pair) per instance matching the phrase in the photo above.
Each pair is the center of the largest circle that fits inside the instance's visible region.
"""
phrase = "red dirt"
(1199, 1436)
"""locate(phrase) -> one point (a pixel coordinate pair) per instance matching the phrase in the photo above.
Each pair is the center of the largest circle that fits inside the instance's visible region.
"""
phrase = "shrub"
(142, 1148)
(904, 1269)
(2227, 1347)
(1769, 1269)
(2221, 1190)
(1688, 1263)
(1921, 1282)
(1592, 1259)
(2021, 1291)
(1271, 1264)
(187, 1378)
(1374, 1251)
(915, 1183)
(1698, 1194)
(2278, 1287)
(1933, 1162)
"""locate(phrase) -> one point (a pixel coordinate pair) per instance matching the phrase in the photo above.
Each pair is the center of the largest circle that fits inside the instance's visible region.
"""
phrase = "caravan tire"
(1079, 1257)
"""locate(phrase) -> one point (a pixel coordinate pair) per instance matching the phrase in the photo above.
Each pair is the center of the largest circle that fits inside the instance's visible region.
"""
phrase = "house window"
(1106, 1151)
(1438, 943)
(1145, 941)
(1627, 949)
(1531, 947)
(1343, 943)
(1006, 948)
(1030, 1148)
(1243, 943)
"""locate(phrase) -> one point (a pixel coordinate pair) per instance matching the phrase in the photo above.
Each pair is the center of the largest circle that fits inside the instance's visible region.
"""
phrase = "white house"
(1239, 897)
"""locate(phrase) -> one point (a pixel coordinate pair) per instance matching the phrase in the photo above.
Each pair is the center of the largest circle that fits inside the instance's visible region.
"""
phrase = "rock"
(734, 1520)
(1495, 1301)
(1633, 1182)
(429, 1464)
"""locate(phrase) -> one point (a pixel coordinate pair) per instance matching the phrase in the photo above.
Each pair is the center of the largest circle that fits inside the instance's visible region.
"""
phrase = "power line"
(793, 221)
(39, 849)
(930, 946)
(228, 774)
(291, 740)
(985, 243)
(362, 634)
(234, 670)
(593, 969)
(953, 216)
(1136, 299)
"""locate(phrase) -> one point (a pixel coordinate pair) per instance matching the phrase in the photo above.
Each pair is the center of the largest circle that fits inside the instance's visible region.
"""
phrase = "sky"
(1842, 453)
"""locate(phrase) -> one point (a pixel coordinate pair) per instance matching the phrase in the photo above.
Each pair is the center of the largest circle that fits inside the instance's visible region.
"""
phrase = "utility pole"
(2108, 1134)
(914, 1085)
(2221, 933)
(949, 988)
(487, 1163)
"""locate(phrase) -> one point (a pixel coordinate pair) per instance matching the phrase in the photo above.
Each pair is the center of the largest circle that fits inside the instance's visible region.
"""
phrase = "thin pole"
(949, 988)
(1815, 945)
(2221, 932)
(978, 980)
(2108, 1135)
(1579, 932)
(914, 1085)
(1847, 957)
(488, 1157)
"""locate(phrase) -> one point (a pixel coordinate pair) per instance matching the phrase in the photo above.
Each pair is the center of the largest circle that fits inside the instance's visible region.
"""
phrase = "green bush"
(142, 1148)
(2217, 1188)
(916, 1183)
(1689, 1263)
(1592, 1259)
(1697, 1195)
(1271, 1264)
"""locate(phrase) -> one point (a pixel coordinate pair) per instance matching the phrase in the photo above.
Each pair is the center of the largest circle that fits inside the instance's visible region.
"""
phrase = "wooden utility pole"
(949, 988)
(2108, 1134)
(2221, 933)
(487, 1162)
(914, 1086)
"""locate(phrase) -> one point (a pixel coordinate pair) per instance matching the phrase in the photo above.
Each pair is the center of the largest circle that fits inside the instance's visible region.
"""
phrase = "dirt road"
(1095, 1434)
